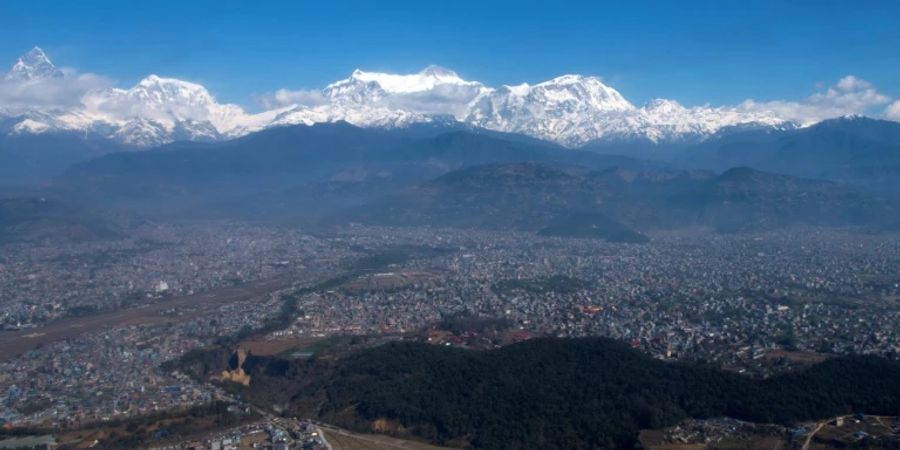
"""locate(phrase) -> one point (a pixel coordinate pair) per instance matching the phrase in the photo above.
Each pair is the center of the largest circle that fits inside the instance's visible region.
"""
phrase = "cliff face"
(236, 373)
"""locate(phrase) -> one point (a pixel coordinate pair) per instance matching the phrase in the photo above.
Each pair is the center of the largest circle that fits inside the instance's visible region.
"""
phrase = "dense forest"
(544, 393)
(582, 393)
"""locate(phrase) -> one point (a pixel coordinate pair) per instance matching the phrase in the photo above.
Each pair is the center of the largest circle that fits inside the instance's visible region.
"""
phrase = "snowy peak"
(355, 89)
(664, 106)
(160, 109)
(439, 72)
(375, 87)
(428, 79)
(32, 66)
(581, 89)
(163, 91)
(432, 91)
(565, 98)
(157, 82)
(571, 109)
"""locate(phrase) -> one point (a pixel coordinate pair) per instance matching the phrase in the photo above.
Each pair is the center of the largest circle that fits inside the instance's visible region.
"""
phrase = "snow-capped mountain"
(372, 99)
(571, 109)
(33, 65)
(664, 120)
(574, 110)
(159, 110)
(433, 91)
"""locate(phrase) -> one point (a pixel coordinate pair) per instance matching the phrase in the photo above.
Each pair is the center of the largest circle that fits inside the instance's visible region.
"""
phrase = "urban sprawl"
(752, 303)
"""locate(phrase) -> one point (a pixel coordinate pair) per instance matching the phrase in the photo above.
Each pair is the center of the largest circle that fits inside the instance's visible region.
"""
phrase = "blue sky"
(718, 52)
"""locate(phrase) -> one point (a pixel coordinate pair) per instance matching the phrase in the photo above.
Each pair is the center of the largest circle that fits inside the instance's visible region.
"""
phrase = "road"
(809, 437)
(818, 428)
(376, 443)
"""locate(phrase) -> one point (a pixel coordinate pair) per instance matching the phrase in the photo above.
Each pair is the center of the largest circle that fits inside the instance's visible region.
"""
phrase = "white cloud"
(892, 112)
(850, 95)
(287, 97)
(851, 83)
(441, 99)
(45, 94)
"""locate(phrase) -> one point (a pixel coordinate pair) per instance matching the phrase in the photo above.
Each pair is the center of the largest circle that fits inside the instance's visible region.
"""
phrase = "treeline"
(582, 393)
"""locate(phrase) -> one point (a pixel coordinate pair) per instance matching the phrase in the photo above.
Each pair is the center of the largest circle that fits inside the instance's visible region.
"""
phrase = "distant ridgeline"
(34, 218)
(610, 204)
(548, 393)
(470, 178)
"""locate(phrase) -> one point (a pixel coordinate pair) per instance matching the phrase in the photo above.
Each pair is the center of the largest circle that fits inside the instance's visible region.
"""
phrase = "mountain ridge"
(618, 204)
(278, 160)
(852, 149)
(571, 109)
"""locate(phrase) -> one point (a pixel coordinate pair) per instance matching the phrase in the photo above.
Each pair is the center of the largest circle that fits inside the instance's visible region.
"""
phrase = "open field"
(389, 280)
(345, 440)
(140, 432)
(175, 309)
(260, 346)
(804, 358)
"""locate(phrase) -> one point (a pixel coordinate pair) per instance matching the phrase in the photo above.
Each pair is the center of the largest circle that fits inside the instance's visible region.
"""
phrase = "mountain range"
(308, 169)
(612, 203)
(855, 150)
(434, 149)
(571, 110)
(328, 174)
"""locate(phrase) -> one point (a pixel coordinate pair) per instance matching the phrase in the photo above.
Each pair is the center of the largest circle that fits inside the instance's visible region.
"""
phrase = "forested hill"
(582, 393)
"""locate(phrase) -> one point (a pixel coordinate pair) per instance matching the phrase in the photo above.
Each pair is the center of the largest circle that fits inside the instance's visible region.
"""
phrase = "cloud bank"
(287, 97)
(46, 94)
(892, 112)
(850, 95)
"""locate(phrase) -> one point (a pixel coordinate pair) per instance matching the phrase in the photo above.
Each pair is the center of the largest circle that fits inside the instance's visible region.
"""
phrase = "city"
(755, 304)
